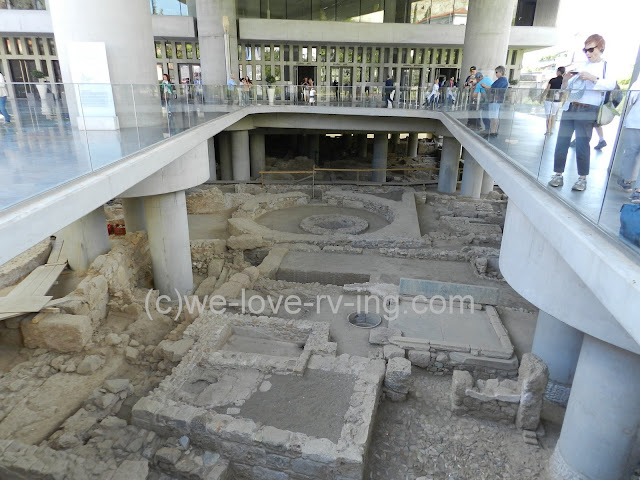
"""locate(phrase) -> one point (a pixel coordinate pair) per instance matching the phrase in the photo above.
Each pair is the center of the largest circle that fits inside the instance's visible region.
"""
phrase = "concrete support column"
(240, 155)
(487, 184)
(168, 232)
(380, 150)
(257, 153)
(362, 145)
(314, 148)
(85, 239)
(134, 220)
(599, 437)
(558, 345)
(486, 38)
(224, 149)
(395, 141)
(128, 55)
(211, 149)
(215, 46)
(449, 164)
(471, 177)
(412, 145)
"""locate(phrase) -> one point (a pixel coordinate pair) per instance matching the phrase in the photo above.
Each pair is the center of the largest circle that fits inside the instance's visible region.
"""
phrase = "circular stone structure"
(364, 320)
(333, 223)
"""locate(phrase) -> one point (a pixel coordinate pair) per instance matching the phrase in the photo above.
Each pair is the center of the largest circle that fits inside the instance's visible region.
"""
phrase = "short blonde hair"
(599, 41)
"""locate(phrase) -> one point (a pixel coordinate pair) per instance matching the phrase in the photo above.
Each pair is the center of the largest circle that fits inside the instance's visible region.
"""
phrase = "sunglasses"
(590, 50)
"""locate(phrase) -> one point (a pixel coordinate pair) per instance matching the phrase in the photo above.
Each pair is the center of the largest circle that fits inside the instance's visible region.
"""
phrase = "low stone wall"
(261, 204)
(203, 251)
(206, 199)
(505, 401)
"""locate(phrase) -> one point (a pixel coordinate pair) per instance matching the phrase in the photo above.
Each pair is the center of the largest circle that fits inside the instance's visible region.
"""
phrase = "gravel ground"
(421, 438)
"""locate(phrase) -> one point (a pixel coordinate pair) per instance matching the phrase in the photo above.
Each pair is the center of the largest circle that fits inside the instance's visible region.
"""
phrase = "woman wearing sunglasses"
(586, 93)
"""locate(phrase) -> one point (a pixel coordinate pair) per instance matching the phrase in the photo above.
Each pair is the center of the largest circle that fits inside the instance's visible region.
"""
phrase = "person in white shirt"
(4, 93)
(586, 93)
(631, 145)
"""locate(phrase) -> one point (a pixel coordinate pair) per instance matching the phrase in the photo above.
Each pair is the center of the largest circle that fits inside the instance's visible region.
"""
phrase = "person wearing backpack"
(167, 91)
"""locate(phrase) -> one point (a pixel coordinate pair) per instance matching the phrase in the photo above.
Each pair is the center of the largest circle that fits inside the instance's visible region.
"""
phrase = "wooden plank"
(23, 304)
(39, 317)
(56, 250)
(39, 281)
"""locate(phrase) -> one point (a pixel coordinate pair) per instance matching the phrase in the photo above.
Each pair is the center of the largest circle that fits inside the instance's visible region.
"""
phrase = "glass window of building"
(419, 55)
(40, 45)
(276, 9)
(7, 46)
(276, 53)
(179, 50)
(323, 10)
(359, 55)
(296, 53)
(19, 50)
(250, 72)
(258, 72)
(267, 71)
(197, 50)
(314, 54)
(286, 53)
(514, 57)
(276, 73)
(247, 53)
(350, 54)
(376, 55)
(347, 10)
(29, 44)
(368, 55)
(305, 58)
(323, 54)
(367, 74)
(376, 72)
(341, 54)
(189, 50)
(359, 74)
(323, 74)
(287, 73)
(169, 49)
(158, 50)
(240, 71)
(267, 53)
(403, 55)
(258, 53)
(248, 8)
(52, 46)
(332, 54)
(298, 9)
(428, 55)
(456, 56)
(387, 57)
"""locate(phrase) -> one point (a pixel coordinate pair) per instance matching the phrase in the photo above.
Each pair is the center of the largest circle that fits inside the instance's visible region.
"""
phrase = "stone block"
(275, 437)
(269, 266)
(398, 375)
(395, 396)
(132, 470)
(131, 353)
(117, 385)
(245, 242)
(461, 381)
(533, 375)
(215, 267)
(381, 335)
(393, 351)
(241, 279)
(266, 474)
(89, 364)
(58, 331)
(168, 455)
(206, 287)
(419, 358)
(175, 351)
(229, 290)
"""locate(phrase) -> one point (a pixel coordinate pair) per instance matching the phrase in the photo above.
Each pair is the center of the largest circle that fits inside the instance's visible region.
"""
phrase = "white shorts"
(551, 108)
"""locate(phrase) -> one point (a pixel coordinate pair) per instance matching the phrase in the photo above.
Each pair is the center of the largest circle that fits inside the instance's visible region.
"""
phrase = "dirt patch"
(314, 404)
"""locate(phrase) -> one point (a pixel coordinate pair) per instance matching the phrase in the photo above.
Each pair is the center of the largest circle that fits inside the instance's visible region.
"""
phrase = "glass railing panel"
(620, 201)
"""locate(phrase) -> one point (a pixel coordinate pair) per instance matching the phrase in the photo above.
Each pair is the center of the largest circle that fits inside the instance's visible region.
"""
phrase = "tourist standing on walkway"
(497, 93)
(167, 91)
(4, 93)
(479, 95)
(388, 89)
(231, 87)
(631, 145)
(551, 96)
(586, 94)
(471, 77)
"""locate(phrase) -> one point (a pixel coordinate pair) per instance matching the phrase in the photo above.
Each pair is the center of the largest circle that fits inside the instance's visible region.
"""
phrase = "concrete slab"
(432, 288)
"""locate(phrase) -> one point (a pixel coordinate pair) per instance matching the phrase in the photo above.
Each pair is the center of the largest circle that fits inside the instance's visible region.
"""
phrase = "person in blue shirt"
(496, 96)
(481, 83)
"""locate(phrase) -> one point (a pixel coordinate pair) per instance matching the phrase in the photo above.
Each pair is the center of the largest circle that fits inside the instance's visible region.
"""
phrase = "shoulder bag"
(607, 111)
